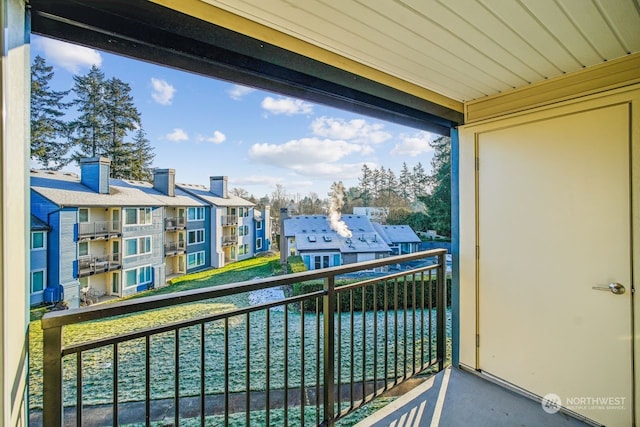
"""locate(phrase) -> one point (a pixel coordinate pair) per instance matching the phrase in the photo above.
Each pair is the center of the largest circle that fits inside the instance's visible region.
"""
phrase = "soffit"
(461, 49)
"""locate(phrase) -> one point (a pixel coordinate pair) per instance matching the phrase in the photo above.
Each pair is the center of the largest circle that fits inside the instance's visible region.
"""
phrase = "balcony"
(229, 240)
(229, 220)
(174, 248)
(175, 223)
(89, 265)
(99, 230)
(318, 356)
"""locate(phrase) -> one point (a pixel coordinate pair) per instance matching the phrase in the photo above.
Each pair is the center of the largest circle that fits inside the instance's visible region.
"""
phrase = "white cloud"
(238, 92)
(330, 170)
(71, 57)
(217, 138)
(257, 180)
(413, 145)
(302, 152)
(286, 106)
(356, 130)
(162, 91)
(177, 135)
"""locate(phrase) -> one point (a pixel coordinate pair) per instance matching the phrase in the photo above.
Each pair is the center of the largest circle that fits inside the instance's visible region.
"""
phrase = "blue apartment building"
(108, 237)
(94, 237)
(234, 227)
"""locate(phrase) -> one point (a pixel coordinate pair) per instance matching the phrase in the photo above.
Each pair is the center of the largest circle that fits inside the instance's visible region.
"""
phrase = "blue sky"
(203, 127)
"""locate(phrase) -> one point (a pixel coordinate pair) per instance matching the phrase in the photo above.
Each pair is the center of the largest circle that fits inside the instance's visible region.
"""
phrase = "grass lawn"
(98, 363)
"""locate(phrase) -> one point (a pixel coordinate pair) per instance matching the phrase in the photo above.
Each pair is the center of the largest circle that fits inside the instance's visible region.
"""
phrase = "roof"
(203, 193)
(313, 232)
(181, 198)
(65, 189)
(397, 233)
(37, 224)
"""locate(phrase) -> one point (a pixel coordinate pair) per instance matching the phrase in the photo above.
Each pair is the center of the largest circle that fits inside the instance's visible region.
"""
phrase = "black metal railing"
(309, 359)
(173, 248)
(229, 240)
(175, 223)
(89, 265)
(97, 229)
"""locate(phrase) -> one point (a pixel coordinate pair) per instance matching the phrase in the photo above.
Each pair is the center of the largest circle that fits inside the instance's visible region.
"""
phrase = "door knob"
(614, 288)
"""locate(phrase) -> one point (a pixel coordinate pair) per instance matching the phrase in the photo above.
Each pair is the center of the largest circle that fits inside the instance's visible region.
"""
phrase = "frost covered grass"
(98, 364)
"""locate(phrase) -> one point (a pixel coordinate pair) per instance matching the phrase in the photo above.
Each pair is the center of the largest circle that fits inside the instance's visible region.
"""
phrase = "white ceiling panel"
(463, 49)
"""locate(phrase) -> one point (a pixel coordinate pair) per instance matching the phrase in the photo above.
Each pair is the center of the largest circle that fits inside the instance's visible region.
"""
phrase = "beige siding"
(14, 254)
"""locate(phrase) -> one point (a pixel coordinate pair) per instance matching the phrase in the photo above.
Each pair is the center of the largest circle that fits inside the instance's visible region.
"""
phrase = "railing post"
(441, 304)
(329, 305)
(52, 381)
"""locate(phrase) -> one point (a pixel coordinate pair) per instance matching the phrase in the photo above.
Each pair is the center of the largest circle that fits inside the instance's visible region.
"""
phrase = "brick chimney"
(94, 173)
(219, 186)
(164, 180)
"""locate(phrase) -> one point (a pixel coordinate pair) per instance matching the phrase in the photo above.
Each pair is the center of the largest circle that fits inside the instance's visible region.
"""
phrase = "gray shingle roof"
(65, 189)
(393, 234)
(37, 224)
(313, 232)
(204, 193)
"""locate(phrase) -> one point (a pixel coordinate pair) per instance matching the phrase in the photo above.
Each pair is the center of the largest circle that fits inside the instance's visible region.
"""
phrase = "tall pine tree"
(90, 131)
(121, 117)
(140, 166)
(438, 201)
(48, 128)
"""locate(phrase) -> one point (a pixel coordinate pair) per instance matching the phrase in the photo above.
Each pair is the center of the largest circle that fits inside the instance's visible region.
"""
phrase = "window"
(138, 276)
(195, 259)
(243, 230)
(38, 240)
(259, 243)
(243, 212)
(37, 281)
(195, 214)
(258, 225)
(137, 246)
(137, 216)
(243, 249)
(83, 248)
(195, 236)
(83, 215)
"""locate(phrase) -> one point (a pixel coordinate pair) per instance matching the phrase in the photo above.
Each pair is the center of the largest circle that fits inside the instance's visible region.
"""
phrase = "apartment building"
(234, 228)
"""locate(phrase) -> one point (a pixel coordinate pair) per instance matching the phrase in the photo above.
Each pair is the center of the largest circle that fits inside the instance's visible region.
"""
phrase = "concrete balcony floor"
(455, 398)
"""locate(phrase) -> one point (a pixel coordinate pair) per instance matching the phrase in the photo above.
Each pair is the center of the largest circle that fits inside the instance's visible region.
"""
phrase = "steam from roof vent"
(335, 205)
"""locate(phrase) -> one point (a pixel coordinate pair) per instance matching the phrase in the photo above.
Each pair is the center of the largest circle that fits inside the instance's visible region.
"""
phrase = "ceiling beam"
(146, 31)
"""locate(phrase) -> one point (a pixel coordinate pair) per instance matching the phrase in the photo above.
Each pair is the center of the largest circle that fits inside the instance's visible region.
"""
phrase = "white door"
(553, 222)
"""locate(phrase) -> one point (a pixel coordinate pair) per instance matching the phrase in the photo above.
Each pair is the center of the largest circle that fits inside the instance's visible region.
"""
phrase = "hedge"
(345, 297)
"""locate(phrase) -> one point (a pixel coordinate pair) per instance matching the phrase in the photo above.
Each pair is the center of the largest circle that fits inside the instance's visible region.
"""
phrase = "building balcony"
(175, 223)
(99, 230)
(229, 240)
(229, 220)
(174, 248)
(324, 366)
(89, 265)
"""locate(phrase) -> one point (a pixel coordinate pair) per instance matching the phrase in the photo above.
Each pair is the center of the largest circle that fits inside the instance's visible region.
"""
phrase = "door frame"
(468, 200)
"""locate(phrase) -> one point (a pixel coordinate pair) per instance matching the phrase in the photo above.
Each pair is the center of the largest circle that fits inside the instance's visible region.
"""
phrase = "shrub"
(391, 286)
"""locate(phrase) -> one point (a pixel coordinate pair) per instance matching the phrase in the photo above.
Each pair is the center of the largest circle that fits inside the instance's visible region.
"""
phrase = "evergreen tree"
(90, 129)
(47, 124)
(404, 183)
(366, 185)
(438, 201)
(121, 117)
(142, 158)
(419, 181)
